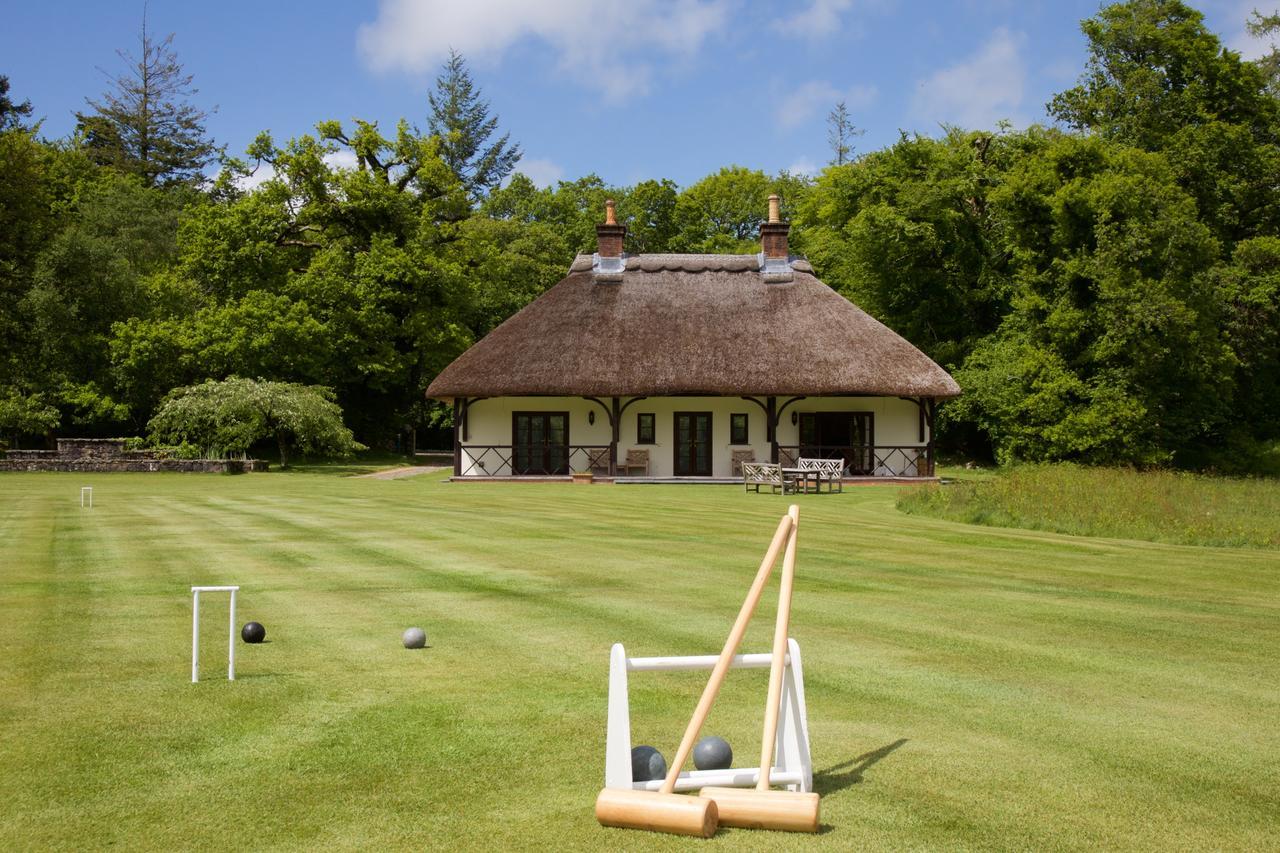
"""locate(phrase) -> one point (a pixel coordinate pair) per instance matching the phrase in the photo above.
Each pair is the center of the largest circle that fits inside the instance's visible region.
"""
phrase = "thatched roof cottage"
(683, 366)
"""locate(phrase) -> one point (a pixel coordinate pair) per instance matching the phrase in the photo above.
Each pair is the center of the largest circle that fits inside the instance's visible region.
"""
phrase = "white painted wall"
(896, 423)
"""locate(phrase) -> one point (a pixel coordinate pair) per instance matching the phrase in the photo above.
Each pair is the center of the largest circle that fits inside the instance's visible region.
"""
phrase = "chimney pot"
(610, 236)
(773, 234)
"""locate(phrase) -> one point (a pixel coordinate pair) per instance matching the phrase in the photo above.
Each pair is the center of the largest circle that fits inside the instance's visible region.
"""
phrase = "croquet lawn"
(968, 687)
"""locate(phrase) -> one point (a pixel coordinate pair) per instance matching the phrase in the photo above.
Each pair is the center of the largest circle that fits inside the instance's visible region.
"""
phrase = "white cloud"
(259, 176)
(821, 17)
(804, 166)
(979, 91)
(805, 101)
(1239, 38)
(611, 47)
(343, 158)
(542, 172)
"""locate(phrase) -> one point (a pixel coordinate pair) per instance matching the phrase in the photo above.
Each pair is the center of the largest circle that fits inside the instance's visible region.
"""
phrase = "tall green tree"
(1111, 351)
(907, 234)
(841, 131)
(723, 212)
(11, 115)
(460, 117)
(1157, 78)
(145, 124)
(1262, 26)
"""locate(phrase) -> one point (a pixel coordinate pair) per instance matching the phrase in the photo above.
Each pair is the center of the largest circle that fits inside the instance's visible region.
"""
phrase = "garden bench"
(831, 470)
(757, 474)
(635, 459)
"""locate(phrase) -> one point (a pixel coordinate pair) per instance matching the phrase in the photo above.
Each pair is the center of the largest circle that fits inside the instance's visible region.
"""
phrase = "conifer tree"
(840, 134)
(11, 114)
(460, 117)
(144, 123)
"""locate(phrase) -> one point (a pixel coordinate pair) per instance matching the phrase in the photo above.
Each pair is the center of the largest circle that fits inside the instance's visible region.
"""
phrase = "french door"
(693, 444)
(540, 443)
(835, 435)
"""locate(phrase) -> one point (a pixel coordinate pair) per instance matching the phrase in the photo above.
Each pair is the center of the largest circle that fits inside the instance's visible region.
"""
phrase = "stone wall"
(91, 465)
(101, 455)
(90, 448)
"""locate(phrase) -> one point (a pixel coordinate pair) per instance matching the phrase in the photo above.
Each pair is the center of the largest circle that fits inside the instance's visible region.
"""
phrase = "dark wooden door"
(540, 443)
(834, 435)
(693, 444)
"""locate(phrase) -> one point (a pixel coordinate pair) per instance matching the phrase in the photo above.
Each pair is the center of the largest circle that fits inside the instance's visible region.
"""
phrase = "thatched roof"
(692, 324)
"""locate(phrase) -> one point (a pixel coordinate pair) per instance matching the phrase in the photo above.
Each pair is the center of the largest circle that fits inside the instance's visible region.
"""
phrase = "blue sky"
(634, 90)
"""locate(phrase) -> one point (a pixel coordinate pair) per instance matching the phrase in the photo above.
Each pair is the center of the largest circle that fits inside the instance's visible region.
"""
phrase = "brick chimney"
(773, 234)
(610, 235)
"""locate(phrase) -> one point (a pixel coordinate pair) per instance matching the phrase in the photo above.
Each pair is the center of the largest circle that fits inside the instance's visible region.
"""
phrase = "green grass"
(1158, 506)
(968, 687)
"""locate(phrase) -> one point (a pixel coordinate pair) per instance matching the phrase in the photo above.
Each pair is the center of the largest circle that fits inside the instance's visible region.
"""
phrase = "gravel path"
(400, 473)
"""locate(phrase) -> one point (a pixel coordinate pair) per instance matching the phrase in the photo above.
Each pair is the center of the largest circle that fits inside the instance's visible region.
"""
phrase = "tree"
(906, 233)
(723, 212)
(840, 134)
(1159, 79)
(1261, 26)
(1154, 69)
(1111, 350)
(26, 414)
(144, 124)
(461, 119)
(228, 417)
(97, 270)
(11, 114)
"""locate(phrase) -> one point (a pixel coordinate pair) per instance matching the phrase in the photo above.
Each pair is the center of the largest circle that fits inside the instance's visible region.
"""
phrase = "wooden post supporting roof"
(771, 418)
(616, 420)
(457, 437)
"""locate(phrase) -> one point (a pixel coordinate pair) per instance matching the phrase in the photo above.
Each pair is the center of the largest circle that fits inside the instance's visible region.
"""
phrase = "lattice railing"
(865, 460)
(499, 460)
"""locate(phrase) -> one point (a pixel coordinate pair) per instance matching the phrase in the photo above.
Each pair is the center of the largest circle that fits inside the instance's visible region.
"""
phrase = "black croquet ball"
(253, 632)
(647, 764)
(712, 753)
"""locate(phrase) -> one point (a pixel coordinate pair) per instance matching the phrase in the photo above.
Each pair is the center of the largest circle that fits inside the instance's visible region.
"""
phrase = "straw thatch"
(692, 324)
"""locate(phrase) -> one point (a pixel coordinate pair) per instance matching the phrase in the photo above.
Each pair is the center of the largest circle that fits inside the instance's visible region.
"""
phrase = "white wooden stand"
(793, 768)
(86, 492)
(195, 631)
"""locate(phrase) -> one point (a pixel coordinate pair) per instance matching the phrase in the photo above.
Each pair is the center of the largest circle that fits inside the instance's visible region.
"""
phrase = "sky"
(626, 90)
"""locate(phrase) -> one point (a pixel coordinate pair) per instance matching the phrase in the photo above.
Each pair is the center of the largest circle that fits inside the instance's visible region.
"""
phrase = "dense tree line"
(1106, 289)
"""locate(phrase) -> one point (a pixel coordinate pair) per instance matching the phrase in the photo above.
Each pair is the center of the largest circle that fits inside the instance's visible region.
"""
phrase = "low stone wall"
(90, 465)
(91, 448)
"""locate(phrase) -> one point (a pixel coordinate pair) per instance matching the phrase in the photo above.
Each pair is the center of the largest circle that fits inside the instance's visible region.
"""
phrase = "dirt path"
(400, 473)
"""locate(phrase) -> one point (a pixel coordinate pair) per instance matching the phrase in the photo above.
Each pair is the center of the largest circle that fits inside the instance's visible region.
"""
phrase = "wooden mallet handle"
(780, 537)
(780, 630)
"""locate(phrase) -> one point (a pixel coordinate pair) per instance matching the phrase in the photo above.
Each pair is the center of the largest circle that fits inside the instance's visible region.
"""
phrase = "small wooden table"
(803, 476)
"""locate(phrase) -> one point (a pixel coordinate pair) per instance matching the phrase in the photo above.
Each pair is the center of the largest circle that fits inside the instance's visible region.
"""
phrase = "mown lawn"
(968, 687)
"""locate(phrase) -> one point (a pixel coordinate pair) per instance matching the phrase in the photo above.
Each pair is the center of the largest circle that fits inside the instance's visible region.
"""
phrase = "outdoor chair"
(757, 474)
(598, 460)
(637, 459)
(740, 456)
(831, 470)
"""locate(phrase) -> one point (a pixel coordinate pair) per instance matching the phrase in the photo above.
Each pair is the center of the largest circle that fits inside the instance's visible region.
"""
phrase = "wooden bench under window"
(637, 459)
(738, 457)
